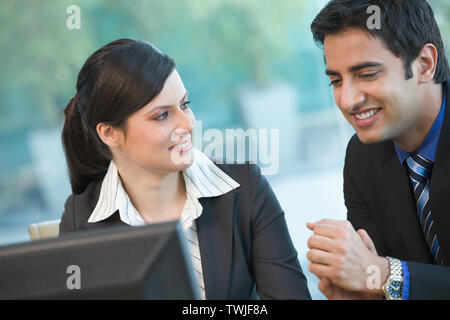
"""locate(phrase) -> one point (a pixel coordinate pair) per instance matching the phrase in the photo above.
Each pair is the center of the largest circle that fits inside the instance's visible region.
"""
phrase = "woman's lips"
(182, 147)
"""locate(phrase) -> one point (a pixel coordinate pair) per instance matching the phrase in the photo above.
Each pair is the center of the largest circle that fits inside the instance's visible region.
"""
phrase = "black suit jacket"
(379, 199)
(244, 240)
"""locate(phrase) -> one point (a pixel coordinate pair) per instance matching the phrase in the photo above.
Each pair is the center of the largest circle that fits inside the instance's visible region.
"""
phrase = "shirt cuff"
(405, 290)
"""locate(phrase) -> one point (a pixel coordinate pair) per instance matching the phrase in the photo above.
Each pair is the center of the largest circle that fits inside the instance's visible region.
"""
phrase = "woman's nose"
(185, 122)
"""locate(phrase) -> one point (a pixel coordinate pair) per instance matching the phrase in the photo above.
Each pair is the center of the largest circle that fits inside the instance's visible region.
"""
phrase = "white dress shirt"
(202, 179)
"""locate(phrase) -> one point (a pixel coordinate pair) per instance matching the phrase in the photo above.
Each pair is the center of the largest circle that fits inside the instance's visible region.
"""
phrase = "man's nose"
(351, 97)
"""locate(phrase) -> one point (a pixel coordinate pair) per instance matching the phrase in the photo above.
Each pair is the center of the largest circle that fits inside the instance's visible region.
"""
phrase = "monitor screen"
(149, 262)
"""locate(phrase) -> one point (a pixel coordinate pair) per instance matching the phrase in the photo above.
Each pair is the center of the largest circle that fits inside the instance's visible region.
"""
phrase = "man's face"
(370, 87)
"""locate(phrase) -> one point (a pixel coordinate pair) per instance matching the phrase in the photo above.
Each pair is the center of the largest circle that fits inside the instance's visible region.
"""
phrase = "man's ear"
(427, 61)
(110, 136)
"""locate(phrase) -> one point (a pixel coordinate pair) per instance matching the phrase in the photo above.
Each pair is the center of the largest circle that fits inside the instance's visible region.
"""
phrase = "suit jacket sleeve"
(428, 281)
(67, 223)
(276, 267)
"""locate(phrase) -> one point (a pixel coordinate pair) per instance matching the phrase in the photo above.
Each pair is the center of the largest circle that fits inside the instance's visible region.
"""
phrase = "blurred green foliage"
(441, 9)
(219, 46)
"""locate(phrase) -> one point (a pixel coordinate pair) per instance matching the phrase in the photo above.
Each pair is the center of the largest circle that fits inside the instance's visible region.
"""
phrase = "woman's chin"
(181, 160)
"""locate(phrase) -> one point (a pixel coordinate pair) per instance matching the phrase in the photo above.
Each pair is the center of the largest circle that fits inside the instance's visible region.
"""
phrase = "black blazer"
(243, 236)
(379, 199)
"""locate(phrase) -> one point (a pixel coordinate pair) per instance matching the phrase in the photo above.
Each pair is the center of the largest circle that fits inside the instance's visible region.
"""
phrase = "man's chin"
(368, 138)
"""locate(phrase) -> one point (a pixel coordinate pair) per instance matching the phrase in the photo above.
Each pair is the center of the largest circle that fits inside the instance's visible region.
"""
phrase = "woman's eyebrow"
(166, 107)
(184, 97)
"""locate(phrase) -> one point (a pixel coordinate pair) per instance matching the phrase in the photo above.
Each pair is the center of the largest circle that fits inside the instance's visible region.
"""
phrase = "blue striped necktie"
(419, 173)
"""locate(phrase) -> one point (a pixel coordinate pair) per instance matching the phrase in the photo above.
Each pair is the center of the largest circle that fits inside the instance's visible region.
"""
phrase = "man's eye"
(369, 75)
(162, 116)
(334, 82)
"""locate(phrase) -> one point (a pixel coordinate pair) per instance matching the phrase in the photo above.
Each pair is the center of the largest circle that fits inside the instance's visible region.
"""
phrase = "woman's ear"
(109, 135)
(427, 61)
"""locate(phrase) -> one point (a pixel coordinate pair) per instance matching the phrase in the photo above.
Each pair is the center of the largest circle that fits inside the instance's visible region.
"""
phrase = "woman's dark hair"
(405, 27)
(115, 81)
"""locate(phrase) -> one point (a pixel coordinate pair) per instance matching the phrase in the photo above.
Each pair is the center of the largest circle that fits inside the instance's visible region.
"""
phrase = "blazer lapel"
(215, 234)
(440, 184)
(402, 211)
(86, 204)
(111, 221)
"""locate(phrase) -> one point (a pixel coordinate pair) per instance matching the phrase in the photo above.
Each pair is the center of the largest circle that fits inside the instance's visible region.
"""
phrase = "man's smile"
(365, 117)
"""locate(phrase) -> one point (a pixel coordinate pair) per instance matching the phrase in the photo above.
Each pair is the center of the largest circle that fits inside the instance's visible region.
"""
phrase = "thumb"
(367, 241)
(326, 287)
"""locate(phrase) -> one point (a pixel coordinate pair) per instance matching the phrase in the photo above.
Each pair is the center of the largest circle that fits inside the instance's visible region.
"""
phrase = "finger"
(325, 258)
(326, 288)
(330, 230)
(367, 240)
(321, 243)
(319, 256)
(320, 270)
(310, 225)
(339, 223)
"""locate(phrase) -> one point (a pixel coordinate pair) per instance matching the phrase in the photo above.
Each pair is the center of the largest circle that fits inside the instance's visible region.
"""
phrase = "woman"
(128, 143)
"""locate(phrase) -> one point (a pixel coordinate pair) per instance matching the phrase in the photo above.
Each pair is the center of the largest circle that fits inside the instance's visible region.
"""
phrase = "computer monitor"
(148, 262)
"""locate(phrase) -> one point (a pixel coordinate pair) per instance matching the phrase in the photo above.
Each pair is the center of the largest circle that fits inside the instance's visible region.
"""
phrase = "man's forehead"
(352, 48)
(352, 33)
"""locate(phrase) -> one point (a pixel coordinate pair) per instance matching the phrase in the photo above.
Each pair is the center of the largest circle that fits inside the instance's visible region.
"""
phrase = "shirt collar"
(429, 145)
(202, 179)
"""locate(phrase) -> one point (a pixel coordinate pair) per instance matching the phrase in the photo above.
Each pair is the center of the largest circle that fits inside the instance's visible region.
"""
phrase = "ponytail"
(87, 156)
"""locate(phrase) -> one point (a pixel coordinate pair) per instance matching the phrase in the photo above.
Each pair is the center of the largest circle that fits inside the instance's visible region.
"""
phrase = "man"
(390, 82)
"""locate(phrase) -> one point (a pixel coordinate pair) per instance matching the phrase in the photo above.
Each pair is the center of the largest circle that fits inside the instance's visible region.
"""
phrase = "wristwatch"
(394, 284)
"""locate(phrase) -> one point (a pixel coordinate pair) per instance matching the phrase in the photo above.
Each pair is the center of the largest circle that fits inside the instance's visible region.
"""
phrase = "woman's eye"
(185, 105)
(162, 116)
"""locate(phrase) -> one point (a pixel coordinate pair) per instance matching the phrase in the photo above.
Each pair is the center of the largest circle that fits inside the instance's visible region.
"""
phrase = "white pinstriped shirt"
(202, 179)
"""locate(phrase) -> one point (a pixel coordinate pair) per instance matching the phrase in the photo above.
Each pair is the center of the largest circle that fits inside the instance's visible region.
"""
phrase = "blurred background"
(246, 64)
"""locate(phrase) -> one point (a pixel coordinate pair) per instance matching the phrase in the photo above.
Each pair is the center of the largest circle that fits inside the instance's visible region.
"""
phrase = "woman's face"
(159, 135)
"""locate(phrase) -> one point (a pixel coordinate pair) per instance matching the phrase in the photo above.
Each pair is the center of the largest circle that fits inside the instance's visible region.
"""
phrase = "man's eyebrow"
(167, 107)
(354, 69)
(364, 65)
(331, 73)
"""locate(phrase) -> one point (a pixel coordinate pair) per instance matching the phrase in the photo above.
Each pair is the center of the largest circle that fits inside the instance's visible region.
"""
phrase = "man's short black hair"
(405, 27)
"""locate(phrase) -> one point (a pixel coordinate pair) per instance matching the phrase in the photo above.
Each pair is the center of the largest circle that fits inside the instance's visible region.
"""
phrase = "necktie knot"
(419, 167)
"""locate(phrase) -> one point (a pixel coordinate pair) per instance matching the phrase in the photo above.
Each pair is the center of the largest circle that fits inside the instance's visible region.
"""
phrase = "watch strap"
(395, 276)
